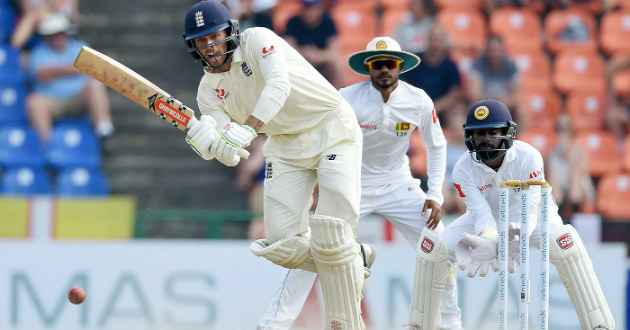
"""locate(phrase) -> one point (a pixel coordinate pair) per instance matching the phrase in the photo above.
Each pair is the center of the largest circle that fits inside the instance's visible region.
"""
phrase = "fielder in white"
(266, 86)
(389, 110)
(494, 157)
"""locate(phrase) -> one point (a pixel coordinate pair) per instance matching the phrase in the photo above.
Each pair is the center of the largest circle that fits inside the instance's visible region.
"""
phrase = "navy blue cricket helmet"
(207, 17)
(490, 114)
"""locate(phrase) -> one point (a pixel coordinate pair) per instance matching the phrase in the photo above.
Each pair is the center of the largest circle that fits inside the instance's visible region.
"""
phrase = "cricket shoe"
(368, 253)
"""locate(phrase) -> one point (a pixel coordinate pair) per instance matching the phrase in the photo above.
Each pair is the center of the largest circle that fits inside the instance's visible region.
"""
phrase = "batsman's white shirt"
(272, 81)
(478, 185)
(387, 128)
(313, 135)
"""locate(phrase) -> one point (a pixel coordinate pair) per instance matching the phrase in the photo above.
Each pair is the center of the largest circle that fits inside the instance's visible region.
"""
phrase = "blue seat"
(10, 67)
(81, 181)
(73, 144)
(25, 181)
(12, 98)
(20, 146)
(7, 20)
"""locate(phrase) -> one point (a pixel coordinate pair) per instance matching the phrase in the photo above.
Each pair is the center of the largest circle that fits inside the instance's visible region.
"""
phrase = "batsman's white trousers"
(329, 154)
(401, 203)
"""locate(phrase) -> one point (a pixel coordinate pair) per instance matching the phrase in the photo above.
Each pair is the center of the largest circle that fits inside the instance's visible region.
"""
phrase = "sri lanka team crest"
(482, 112)
(381, 45)
(401, 127)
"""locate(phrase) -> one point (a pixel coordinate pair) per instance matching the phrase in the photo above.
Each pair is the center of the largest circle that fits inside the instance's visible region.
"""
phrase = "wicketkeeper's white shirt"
(478, 185)
(387, 128)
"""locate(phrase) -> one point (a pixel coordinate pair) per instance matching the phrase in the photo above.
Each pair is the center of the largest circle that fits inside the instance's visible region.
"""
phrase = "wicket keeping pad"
(575, 268)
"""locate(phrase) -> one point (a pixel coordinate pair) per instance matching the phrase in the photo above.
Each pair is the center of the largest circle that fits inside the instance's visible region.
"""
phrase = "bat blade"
(134, 87)
(137, 88)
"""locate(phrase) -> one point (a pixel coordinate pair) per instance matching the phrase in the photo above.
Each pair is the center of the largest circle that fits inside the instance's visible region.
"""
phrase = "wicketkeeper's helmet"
(207, 17)
(489, 114)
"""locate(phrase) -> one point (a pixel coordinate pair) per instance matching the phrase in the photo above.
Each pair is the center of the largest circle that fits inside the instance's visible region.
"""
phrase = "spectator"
(567, 172)
(33, 12)
(249, 14)
(437, 74)
(59, 89)
(314, 35)
(494, 76)
(413, 32)
(618, 114)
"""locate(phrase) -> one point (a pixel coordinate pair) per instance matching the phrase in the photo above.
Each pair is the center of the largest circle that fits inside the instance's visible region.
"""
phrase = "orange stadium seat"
(466, 27)
(542, 139)
(614, 33)
(356, 25)
(533, 66)
(441, 4)
(282, 13)
(391, 19)
(542, 107)
(579, 71)
(587, 110)
(613, 194)
(368, 5)
(520, 28)
(350, 77)
(417, 155)
(394, 4)
(594, 7)
(615, 4)
(602, 148)
(559, 19)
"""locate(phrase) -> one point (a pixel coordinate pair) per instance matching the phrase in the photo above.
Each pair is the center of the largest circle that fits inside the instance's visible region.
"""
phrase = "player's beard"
(215, 61)
(487, 155)
(383, 84)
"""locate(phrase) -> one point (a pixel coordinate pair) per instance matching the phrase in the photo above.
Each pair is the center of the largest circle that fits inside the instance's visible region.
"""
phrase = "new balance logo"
(268, 170)
(331, 157)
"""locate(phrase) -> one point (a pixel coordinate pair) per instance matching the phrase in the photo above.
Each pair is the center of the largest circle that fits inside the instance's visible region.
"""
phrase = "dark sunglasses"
(378, 64)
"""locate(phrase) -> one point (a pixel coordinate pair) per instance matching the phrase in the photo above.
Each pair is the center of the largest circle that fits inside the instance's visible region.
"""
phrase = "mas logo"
(401, 127)
(481, 112)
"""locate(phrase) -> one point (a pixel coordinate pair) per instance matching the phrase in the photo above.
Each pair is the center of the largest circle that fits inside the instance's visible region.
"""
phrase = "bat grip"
(244, 154)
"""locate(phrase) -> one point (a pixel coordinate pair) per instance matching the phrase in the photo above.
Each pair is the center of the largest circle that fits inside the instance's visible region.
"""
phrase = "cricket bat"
(138, 89)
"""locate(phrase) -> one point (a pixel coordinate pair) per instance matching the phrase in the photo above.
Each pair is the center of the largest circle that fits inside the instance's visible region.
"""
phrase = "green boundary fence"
(202, 224)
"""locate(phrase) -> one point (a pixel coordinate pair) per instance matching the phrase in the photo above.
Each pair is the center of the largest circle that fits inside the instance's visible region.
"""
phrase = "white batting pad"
(430, 280)
(575, 268)
(340, 269)
(292, 252)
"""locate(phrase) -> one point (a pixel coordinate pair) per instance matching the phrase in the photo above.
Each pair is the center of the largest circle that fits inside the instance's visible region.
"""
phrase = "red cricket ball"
(76, 295)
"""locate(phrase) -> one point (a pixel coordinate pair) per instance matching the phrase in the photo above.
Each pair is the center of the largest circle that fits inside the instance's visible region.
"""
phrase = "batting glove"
(201, 135)
(478, 252)
(225, 153)
(237, 136)
(514, 246)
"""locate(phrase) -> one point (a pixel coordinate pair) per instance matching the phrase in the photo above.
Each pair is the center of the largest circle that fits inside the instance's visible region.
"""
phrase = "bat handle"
(244, 154)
